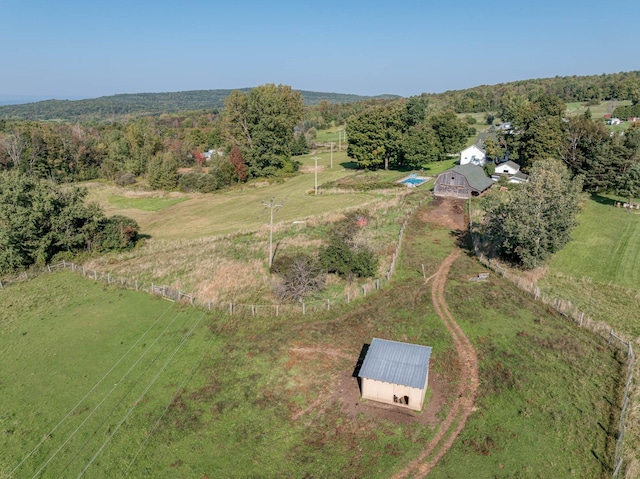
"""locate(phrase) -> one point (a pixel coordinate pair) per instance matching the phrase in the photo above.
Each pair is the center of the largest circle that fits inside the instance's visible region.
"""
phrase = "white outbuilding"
(395, 373)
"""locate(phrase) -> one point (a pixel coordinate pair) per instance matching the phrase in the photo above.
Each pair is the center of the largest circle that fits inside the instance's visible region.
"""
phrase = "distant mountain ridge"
(116, 107)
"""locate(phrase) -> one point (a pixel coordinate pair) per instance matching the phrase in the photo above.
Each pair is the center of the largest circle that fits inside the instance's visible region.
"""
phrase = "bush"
(348, 262)
(124, 178)
(117, 233)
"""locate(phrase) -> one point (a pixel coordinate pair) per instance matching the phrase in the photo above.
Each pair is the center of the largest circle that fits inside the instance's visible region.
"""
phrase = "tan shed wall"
(384, 392)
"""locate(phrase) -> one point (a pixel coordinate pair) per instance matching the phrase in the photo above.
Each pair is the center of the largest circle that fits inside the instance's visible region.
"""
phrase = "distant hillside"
(116, 107)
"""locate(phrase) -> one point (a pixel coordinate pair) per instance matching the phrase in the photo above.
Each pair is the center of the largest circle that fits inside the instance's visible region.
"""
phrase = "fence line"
(351, 293)
(569, 311)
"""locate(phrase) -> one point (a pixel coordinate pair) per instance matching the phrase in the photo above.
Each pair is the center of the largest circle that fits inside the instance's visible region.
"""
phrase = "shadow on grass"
(350, 165)
(603, 200)
(356, 370)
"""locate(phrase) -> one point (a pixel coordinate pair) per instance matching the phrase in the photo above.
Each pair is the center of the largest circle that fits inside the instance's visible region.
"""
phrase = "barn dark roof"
(475, 175)
(397, 363)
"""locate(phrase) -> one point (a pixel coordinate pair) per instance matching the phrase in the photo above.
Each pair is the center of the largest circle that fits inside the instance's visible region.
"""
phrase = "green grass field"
(598, 270)
(262, 397)
(238, 209)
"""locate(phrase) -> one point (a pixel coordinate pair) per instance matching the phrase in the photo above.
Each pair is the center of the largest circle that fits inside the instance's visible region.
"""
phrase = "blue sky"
(84, 49)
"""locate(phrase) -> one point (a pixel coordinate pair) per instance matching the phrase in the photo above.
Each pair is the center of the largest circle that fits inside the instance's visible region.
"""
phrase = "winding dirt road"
(463, 405)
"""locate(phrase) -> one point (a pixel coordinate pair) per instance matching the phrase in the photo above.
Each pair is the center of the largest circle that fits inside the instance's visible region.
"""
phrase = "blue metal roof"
(397, 363)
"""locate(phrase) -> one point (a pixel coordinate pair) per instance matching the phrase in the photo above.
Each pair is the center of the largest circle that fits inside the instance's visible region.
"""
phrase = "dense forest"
(593, 88)
(120, 107)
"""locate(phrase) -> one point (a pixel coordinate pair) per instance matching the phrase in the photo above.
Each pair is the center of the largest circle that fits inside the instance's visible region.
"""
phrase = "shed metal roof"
(397, 363)
(475, 175)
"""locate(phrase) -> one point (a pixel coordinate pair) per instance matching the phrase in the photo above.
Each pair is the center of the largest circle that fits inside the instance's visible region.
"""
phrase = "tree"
(451, 132)
(300, 276)
(536, 127)
(628, 184)
(162, 173)
(346, 254)
(375, 136)
(261, 124)
(421, 146)
(39, 220)
(536, 219)
(236, 159)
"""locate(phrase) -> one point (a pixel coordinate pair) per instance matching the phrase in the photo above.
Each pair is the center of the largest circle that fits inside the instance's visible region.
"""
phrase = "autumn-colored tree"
(236, 159)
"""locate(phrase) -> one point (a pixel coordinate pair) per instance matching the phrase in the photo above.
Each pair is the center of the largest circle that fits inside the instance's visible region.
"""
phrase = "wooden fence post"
(328, 305)
(277, 308)
(230, 309)
(303, 308)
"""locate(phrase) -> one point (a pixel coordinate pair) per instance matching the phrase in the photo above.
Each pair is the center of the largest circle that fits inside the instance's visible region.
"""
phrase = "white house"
(474, 155)
(508, 168)
(511, 170)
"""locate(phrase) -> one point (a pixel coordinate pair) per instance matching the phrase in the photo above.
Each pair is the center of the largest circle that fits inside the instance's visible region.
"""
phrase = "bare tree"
(301, 275)
(14, 145)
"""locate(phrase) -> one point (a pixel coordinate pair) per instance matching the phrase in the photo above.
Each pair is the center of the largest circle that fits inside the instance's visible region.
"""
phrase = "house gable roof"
(397, 363)
(474, 146)
(511, 164)
(475, 176)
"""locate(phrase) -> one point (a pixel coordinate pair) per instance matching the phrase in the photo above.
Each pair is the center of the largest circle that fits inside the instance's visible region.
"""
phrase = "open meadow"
(113, 383)
(599, 269)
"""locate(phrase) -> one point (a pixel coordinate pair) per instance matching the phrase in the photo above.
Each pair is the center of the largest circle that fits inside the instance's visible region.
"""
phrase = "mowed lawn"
(605, 246)
(599, 270)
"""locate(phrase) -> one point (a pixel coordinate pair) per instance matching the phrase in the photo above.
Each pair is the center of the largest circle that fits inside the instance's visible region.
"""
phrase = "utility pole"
(332, 155)
(315, 183)
(271, 204)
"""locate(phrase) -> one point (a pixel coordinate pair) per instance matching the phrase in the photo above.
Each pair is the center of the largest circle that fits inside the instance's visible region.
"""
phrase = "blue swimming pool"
(414, 180)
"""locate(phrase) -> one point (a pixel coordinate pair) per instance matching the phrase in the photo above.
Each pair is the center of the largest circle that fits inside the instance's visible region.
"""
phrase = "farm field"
(598, 270)
(275, 396)
(238, 209)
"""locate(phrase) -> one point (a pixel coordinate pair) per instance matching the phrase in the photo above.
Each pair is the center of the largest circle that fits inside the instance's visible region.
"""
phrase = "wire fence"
(569, 311)
(351, 292)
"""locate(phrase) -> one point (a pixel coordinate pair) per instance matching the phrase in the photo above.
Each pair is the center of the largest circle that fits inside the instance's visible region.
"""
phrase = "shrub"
(118, 233)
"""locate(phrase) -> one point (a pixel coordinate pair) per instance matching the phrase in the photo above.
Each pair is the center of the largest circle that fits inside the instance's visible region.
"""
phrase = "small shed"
(462, 181)
(395, 373)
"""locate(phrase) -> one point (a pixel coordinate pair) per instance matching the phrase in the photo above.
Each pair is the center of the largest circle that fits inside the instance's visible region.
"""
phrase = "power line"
(113, 409)
(35, 449)
(106, 396)
(166, 409)
(175, 351)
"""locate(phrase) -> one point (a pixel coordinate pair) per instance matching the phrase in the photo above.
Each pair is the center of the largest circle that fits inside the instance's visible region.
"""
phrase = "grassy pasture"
(143, 204)
(238, 209)
(598, 270)
(546, 386)
(263, 397)
(597, 111)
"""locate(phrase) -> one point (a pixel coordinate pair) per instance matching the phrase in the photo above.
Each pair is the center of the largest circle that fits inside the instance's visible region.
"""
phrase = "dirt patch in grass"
(446, 212)
(348, 393)
(344, 389)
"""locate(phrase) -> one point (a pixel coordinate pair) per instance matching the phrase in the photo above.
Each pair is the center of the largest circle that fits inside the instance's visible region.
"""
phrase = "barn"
(395, 373)
(462, 181)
